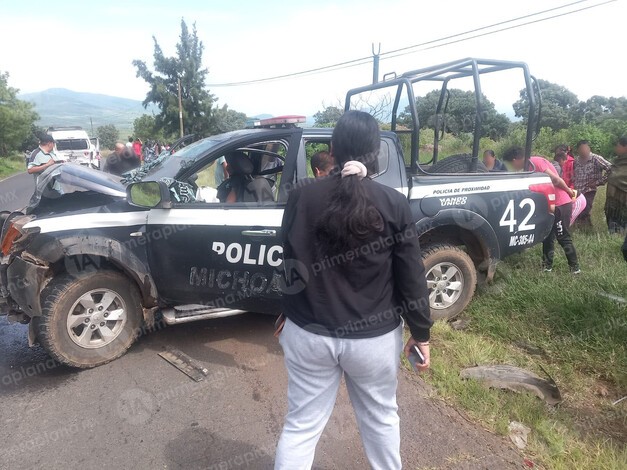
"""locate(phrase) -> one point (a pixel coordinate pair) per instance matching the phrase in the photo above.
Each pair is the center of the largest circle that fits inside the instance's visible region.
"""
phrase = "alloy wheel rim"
(446, 283)
(97, 318)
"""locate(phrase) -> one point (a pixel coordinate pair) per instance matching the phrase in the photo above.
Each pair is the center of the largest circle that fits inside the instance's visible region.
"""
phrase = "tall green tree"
(32, 141)
(16, 117)
(187, 66)
(145, 128)
(559, 105)
(328, 117)
(460, 114)
(599, 108)
(108, 135)
(225, 120)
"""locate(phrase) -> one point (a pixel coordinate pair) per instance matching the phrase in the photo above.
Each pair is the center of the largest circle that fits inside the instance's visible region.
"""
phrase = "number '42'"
(509, 218)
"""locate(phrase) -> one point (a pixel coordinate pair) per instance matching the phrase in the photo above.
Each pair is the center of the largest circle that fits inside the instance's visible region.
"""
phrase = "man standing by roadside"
(44, 156)
(563, 210)
(616, 199)
(591, 171)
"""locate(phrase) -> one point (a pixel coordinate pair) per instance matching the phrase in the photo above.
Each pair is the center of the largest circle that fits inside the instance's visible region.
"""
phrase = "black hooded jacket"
(361, 292)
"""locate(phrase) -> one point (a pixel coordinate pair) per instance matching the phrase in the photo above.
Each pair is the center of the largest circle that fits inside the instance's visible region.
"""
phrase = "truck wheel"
(88, 319)
(451, 279)
(457, 164)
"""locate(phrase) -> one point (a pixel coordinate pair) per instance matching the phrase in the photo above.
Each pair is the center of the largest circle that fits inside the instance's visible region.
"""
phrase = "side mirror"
(148, 194)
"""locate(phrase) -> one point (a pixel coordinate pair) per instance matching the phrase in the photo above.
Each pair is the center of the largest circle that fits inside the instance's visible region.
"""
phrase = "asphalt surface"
(139, 411)
(15, 191)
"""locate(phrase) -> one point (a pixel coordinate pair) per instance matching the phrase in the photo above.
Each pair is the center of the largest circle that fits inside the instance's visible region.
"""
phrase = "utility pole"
(92, 125)
(180, 108)
(375, 64)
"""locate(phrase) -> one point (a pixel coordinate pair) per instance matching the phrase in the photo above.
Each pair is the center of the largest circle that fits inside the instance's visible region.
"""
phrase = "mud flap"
(32, 336)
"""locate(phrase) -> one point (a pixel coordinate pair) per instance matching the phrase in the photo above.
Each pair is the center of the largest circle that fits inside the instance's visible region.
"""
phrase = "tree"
(558, 105)
(599, 108)
(145, 128)
(460, 114)
(328, 117)
(32, 141)
(196, 99)
(16, 117)
(108, 136)
(225, 120)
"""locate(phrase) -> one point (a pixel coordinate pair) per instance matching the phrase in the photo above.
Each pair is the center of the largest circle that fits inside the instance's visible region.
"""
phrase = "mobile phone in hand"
(415, 356)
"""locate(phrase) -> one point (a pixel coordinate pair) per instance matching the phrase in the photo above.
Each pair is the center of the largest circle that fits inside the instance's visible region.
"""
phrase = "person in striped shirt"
(591, 171)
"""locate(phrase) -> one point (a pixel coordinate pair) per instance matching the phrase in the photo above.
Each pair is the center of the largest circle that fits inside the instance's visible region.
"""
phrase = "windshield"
(196, 149)
(169, 165)
(72, 144)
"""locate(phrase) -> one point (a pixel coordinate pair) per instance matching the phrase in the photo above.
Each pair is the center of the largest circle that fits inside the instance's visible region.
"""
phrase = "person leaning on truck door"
(563, 210)
(352, 269)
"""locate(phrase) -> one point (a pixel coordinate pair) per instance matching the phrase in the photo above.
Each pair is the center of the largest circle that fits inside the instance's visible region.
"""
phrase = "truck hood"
(72, 178)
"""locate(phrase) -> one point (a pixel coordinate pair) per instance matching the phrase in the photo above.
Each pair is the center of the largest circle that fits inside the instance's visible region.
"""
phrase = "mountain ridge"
(63, 107)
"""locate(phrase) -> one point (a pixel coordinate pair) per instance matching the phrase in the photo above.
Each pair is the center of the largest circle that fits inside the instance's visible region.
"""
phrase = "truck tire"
(451, 279)
(88, 319)
(457, 164)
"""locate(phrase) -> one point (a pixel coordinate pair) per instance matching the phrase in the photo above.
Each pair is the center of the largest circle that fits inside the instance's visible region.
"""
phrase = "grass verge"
(11, 165)
(557, 322)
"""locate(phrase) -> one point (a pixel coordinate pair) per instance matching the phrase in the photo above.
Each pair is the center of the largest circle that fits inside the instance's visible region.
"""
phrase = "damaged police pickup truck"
(93, 258)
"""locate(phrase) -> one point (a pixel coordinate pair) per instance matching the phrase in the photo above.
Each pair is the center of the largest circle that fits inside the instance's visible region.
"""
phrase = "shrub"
(601, 142)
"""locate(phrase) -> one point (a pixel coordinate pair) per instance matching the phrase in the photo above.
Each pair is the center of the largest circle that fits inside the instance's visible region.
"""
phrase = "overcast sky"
(89, 46)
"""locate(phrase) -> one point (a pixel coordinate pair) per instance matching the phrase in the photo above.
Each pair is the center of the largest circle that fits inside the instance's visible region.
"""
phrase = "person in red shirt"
(568, 172)
(137, 148)
(565, 163)
(563, 210)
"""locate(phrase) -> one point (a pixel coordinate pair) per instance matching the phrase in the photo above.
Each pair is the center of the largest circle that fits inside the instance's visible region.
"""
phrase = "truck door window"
(267, 160)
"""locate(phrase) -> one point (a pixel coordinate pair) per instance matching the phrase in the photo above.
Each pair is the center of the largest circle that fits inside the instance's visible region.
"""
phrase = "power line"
(493, 32)
(388, 55)
(486, 27)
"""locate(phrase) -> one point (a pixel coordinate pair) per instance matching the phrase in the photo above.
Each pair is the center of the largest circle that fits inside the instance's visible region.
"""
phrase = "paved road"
(15, 191)
(140, 411)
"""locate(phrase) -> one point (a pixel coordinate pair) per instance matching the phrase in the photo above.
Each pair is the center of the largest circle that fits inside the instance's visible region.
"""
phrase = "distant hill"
(62, 107)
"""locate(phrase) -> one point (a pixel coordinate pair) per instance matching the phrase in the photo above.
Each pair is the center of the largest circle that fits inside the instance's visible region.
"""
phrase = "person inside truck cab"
(241, 185)
(322, 163)
(43, 157)
(492, 163)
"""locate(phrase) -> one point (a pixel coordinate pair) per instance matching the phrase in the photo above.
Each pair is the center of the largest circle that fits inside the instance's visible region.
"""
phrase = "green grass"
(11, 165)
(581, 334)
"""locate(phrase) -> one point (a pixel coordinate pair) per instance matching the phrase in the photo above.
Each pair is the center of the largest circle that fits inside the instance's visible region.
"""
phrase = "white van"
(72, 144)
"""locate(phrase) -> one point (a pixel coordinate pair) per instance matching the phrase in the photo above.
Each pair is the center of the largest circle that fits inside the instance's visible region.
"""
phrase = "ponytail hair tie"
(353, 167)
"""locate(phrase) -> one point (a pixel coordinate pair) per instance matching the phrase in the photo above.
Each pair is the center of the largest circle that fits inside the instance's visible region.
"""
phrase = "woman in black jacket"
(353, 269)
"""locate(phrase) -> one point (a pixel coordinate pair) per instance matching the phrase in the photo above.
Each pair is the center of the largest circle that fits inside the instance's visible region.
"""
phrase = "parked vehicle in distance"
(73, 144)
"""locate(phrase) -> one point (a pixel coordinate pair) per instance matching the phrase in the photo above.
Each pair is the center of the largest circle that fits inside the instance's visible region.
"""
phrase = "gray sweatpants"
(315, 365)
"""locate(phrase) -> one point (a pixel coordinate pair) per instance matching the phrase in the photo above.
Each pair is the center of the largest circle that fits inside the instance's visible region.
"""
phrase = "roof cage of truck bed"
(444, 73)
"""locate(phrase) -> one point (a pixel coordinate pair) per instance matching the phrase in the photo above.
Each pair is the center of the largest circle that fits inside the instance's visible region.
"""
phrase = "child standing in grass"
(563, 210)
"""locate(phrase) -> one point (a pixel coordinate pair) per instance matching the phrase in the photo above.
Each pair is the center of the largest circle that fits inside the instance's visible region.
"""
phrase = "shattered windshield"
(183, 157)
